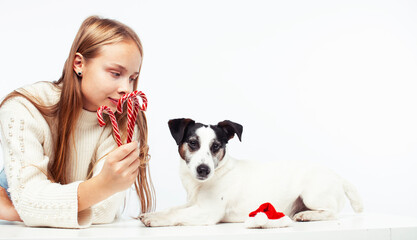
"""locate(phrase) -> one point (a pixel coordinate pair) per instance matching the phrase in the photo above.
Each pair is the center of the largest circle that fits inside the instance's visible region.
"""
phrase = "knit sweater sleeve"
(109, 209)
(27, 145)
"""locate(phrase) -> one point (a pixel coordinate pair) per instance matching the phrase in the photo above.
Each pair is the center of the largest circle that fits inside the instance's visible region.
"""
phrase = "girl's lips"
(114, 101)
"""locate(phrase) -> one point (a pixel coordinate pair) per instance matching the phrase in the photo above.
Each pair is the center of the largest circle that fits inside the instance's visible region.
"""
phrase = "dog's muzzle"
(203, 171)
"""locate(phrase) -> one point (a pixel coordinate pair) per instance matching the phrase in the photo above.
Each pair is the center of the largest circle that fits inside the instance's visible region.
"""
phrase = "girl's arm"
(119, 172)
(107, 210)
(27, 146)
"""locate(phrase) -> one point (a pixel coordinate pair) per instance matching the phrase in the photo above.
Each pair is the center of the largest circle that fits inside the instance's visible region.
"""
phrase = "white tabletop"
(346, 227)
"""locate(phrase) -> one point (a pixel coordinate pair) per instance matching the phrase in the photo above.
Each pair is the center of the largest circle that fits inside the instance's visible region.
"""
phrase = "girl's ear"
(78, 64)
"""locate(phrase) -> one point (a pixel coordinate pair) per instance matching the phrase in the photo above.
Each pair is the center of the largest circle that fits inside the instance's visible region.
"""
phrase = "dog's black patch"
(183, 130)
(226, 130)
(191, 137)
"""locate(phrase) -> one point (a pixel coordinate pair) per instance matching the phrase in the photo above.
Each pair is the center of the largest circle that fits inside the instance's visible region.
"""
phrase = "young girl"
(62, 168)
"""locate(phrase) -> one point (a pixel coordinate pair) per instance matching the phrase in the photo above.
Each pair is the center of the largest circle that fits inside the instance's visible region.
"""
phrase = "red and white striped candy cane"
(133, 107)
(101, 122)
(144, 100)
(121, 102)
(132, 113)
(136, 93)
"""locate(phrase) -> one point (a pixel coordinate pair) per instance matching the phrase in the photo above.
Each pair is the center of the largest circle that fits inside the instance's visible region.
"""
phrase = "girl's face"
(110, 75)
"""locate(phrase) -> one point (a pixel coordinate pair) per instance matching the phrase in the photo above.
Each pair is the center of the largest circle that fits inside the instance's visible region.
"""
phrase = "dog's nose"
(203, 170)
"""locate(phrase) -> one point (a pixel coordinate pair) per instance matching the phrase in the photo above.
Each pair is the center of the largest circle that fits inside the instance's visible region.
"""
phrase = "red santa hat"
(267, 217)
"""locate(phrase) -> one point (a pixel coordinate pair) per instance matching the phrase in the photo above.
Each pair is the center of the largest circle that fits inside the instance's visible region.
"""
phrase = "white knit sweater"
(27, 142)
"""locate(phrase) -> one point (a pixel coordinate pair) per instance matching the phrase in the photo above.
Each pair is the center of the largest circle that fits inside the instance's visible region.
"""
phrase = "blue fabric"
(3, 181)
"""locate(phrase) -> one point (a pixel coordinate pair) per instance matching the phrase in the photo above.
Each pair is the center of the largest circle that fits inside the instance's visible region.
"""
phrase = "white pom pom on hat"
(267, 217)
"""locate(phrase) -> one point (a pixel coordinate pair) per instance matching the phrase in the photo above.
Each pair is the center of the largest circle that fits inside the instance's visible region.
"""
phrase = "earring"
(79, 73)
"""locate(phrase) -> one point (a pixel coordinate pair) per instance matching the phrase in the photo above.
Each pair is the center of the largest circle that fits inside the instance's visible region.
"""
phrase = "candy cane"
(132, 113)
(121, 102)
(144, 100)
(133, 94)
(133, 107)
(101, 122)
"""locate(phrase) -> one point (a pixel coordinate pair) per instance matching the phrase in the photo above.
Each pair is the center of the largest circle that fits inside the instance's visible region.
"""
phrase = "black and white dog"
(222, 189)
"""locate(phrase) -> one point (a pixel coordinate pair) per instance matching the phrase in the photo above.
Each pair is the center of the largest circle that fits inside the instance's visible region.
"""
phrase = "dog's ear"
(231, 128)
(178, 126)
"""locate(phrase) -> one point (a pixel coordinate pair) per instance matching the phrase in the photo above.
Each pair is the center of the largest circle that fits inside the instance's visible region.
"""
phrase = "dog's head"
(201, 146)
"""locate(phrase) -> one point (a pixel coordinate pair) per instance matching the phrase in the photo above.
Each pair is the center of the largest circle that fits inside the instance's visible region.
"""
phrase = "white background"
(332, 82)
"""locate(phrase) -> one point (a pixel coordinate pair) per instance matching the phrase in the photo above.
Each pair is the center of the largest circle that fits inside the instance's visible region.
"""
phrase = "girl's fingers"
(135, 173)
(134, 166)
(130, 158)
(128, 163)
(124, 151)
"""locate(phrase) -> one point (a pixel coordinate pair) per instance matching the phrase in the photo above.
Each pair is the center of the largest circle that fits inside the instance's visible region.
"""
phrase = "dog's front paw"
(154, 220)
(142, 216)
(145, 218)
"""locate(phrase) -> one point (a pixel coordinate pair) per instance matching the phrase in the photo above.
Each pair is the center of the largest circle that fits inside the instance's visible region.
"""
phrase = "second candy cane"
(133, 107)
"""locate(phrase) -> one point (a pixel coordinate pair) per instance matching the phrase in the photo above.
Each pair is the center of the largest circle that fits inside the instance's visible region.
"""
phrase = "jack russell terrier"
(222, 189)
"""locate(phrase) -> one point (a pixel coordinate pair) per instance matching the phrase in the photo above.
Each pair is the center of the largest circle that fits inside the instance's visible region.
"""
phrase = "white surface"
(333, 82)
(372, 227)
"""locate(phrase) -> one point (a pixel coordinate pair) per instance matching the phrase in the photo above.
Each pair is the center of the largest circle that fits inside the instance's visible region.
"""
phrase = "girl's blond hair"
(94, 33)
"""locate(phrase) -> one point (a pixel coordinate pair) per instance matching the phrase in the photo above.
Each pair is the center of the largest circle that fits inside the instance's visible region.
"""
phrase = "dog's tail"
(353, 196)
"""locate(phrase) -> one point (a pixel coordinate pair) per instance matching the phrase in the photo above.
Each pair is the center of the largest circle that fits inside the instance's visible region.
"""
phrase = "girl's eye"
(134, 77)
(115, 74)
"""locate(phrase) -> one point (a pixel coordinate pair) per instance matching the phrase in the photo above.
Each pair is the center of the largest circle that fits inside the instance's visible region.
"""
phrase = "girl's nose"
(124, 87)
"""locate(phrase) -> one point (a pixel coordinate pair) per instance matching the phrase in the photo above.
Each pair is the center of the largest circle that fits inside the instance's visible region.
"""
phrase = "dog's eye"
(192, 143)
(215, 147)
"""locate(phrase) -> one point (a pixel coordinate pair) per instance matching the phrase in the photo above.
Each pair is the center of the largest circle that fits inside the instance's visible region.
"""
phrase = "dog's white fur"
(238, 187)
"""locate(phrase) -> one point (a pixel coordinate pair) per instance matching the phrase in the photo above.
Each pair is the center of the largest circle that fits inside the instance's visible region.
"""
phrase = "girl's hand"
(119, 172)
(121, 167)
(7, 210)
